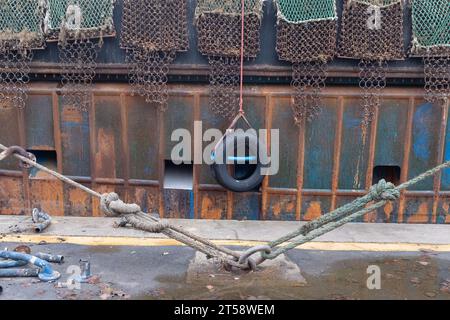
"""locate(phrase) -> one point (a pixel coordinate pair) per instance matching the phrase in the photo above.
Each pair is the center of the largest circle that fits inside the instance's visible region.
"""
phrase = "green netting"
(431, 24)
(296, 11)
(380, 3)
(227, 6)
(81, 15)
(21, 20)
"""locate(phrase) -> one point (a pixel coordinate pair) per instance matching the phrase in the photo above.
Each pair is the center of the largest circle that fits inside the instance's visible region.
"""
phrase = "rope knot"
(112, 206)
(384, 191)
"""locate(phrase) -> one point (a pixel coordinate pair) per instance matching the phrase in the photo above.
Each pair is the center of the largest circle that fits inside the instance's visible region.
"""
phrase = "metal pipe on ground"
(41, 220)
(16, 273)
(12, 264)
(50, 257)
(45, 271)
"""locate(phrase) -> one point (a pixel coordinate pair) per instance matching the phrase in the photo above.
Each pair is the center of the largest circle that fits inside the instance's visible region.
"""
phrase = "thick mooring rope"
(131, 214)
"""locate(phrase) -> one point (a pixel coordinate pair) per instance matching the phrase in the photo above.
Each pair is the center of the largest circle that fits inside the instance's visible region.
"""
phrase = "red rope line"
(241, 89)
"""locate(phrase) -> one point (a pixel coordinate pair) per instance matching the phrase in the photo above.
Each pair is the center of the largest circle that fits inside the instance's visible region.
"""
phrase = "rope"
(381, 193)
(241, 85)
(131, 214)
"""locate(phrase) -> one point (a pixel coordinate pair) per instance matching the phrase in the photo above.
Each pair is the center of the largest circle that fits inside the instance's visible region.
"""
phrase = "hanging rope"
(219, 27)
(153, 31)
(241, 85)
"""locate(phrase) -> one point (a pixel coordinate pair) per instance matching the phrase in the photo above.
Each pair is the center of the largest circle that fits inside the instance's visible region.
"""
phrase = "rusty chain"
(153, 31)
(372, 31)
(219, 38)
(431, 41)
(78, 59)
(309, 42)
(21, 32)
(79, 27)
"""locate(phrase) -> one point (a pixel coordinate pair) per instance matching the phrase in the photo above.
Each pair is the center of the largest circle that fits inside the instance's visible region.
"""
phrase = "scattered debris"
(165, 253)
(415, 280)
(423, 263)
(109, 293)
(428, 251)
(258, 298)
(94, 279)
(23, 249)
(156, 292)
(38, 223)
(445, 286)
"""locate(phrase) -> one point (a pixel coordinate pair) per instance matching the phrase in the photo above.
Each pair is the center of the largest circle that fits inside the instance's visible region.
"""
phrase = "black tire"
(250, 181)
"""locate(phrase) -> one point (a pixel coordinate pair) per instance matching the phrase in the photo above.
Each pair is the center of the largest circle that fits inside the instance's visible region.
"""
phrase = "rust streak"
(196, 167)
(209, 210)
(337, 151)
(125, 145)
(300, 166)
(440, 159)
(314, 211)
(23, 142)
(92, 148)
(372, 145)
(265, 184)
(57, 132)
(406, 153)
(161, 146)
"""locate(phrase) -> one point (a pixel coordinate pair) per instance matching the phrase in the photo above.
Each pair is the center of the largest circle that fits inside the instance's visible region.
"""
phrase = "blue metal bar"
(251, 158)
(14, 273)
(12, 264)
(46, 272)
(41, 220)
(50, 257)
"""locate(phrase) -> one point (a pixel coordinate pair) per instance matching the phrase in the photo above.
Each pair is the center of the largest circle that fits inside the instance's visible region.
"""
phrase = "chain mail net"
(306, 36)
(20, 32)
(372, 31)
(219, 37)
(431, 40)
(79, 26)
(152, 32)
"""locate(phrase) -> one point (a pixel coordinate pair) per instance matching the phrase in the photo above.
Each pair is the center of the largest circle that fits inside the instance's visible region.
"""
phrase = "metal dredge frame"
(153, 31)
(306, 37)
(79, 41)
(21, 32)
(431, 42)
(219, 37)
(372, 46)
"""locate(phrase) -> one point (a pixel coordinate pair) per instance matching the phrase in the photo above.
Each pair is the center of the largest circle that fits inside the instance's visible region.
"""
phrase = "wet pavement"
(128, 272)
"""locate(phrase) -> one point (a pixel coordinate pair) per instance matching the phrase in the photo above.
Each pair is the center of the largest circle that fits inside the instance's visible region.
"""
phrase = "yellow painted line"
(158, 242)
